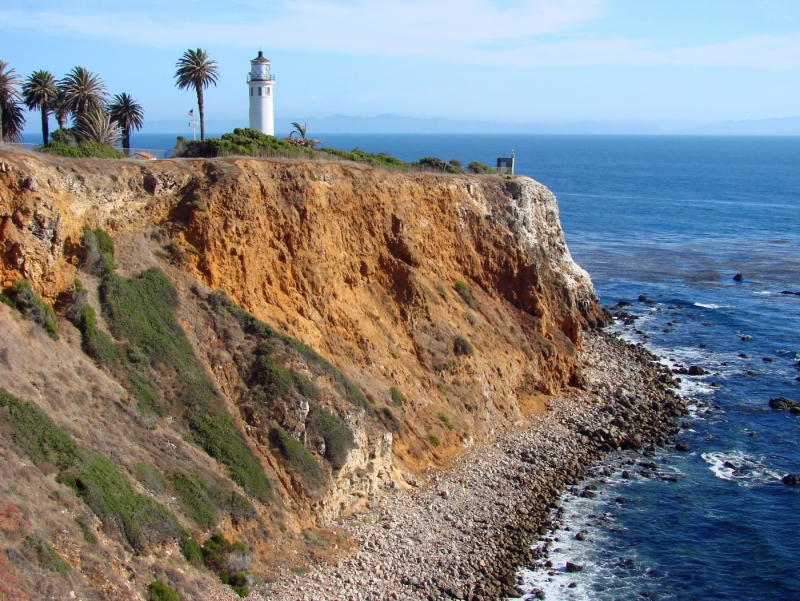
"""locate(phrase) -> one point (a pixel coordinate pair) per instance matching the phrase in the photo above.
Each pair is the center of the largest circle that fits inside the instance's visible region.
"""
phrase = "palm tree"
(40, 93)
(83, 91)
(97, 126)
(196, 71)
(11, 117)
(299, 129)
(128, 114)
(60, 109)
(302, 141)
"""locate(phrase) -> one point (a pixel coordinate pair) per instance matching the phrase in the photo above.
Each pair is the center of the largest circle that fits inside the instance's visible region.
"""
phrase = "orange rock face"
(458, 292)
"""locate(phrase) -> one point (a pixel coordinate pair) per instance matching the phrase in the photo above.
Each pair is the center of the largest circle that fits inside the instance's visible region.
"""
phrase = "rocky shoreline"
(466, 533)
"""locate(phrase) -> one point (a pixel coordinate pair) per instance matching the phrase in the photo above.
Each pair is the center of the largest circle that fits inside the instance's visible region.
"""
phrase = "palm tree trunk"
(126, 141)
(45, 124)
(1, 123)
(202, 112)
(61, 117)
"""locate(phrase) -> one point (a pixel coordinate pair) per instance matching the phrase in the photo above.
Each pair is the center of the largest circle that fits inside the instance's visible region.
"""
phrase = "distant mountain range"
(397, 124)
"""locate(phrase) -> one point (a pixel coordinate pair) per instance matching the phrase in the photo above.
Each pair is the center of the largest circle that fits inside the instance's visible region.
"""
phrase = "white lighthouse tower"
(261, 81)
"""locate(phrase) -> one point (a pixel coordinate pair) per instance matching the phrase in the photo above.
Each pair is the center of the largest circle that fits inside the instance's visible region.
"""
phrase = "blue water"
(675, 218)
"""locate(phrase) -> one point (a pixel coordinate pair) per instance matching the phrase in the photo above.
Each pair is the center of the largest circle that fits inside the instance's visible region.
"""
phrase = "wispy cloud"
(549, 33)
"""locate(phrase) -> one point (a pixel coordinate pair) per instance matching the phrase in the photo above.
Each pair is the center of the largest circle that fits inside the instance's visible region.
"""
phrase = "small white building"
(505, 165)
(261, 82)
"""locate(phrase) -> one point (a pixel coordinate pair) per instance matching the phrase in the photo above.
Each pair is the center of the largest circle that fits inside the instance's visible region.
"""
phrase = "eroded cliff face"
(452, 302)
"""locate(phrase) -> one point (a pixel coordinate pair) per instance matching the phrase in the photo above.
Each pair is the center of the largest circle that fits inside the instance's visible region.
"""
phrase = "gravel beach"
(465, 532)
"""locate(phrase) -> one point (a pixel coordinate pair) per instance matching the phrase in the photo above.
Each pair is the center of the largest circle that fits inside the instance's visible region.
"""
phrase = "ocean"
(674, 219)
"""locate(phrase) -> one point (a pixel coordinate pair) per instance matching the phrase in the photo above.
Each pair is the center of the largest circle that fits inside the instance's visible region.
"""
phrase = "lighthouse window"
(267, 91)
(260, 91)
(251, 91)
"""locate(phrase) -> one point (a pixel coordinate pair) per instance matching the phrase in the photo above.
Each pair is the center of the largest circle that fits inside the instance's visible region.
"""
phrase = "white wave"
(713, 306)
(735, 466)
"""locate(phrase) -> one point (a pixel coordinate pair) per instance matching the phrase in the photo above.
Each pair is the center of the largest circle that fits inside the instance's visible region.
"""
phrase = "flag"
(191, 113)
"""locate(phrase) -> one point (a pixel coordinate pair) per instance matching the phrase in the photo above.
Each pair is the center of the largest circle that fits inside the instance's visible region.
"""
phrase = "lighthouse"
(261, 81)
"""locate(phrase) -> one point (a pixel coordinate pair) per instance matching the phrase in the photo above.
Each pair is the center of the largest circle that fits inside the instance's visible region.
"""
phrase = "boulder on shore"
(696, 370)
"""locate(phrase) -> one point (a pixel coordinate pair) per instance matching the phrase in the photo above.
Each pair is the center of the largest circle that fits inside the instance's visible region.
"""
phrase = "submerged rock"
(738, 278)
(782, 403)
(791, 479)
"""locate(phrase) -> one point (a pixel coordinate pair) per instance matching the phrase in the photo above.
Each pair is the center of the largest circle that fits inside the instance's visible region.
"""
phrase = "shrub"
(149, 476)
(302, 462)
(95, 479)
(335, 432)
(86, 529)
(397, 397)
(219, 555)
(198, 498)
(457, 165)
(87, 149)
(177, 253)
(437, 165)
(461, 346)
(446, 421)
(434, 440)
(305, 385)
(463, 291)
(479, 168)
(442, 292)
(46, 556)
(25, 300)
(141, 309)
(158, 591)
(219, 302)
(95, 342)
(359, 156)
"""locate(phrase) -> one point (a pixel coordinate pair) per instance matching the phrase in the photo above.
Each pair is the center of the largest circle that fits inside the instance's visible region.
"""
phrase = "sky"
(517, 61)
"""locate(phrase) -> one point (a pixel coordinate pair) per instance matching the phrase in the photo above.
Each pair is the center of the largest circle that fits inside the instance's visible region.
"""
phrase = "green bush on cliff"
(228, 560)
(95, 479)
(218, 301)
(437, 165)
(463, 291)
(141, 309)
(86, 149)
(357, 155)
(479, 168)
(97, 252)
(242, 141)
(397, 397)
(46, 556)
(158, 591)
(24, 299)
(302, 462)
(334, 431)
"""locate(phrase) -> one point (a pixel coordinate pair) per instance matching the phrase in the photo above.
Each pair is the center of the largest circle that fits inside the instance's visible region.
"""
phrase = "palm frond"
(97, 126)
(196, 70)
(84, 91)
(125, 111)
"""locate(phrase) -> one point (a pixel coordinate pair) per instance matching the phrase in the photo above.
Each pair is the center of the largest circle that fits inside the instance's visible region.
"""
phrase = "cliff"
(350, 327)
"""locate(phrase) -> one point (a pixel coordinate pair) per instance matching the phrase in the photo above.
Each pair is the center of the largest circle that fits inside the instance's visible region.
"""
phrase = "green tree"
(60, 109)
(84, 92)
(195, 70)
(11, 117)
(97, 126)
(128, 114)
(40, 93)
